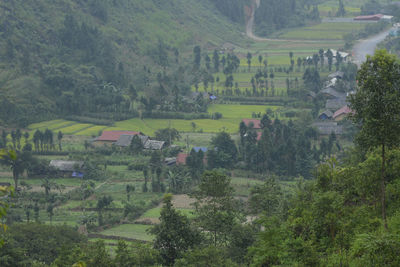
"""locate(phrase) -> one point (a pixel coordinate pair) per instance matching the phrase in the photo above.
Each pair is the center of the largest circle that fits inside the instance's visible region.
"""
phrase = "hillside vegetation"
(80, 57)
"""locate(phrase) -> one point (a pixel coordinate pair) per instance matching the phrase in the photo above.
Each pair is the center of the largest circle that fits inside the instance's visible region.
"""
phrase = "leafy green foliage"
(174, 234)
(274, 15)
(216, 210)
(36, 242)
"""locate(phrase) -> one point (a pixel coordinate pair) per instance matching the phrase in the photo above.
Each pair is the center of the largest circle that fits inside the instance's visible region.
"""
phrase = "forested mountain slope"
(55, 52)
(272, 15)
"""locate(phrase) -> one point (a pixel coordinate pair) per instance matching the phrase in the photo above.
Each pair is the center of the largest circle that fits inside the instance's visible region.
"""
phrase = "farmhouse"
(68, 168)
(342, 113)
(170, 161)
(256, 123)
(259, 135)
(154, 145)
(375, 17)
(111, 137)
(331, 83)
(181, 159)
(126, 140)
(326, 115)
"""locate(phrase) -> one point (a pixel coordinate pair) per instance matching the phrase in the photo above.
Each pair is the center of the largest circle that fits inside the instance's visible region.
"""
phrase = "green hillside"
(53, 52)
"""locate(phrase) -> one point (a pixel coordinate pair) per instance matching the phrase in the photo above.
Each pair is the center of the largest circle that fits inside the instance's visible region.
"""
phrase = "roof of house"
(388, 17)
(143, 138)
(170, 161)
(328, 113)
(332, 92)
(256, 123)
(115, 135)
(181, 158)
(197, 149)
(66, 165)
(332, 82)
(370, 17)
(334, 104)
(154, 145)
(259, 135)
(337, 74)
(124, 140)
(326, 128)
(343, 110)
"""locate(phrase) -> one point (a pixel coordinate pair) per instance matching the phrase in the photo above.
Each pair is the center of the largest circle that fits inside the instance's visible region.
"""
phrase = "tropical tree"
(129, 188)
(59, 138)
(102, 203)
(197, 57)
(48, 185)
(4, 192)
(376, 108)
(249, 56)
(215, 60)
(17, 161)
(216, 210)
(321, 57)
(50, 211)
(329, 55)
(174, 234)
(4, 138)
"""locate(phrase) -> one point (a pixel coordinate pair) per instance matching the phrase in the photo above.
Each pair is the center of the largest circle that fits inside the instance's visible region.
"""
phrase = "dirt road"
(367, 47)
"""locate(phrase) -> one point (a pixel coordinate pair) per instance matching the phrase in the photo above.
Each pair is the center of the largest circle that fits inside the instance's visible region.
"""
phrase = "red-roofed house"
(110, 137)
(341, 113)
(259, 135)
(375, 17)
(181, 159)
(256, 123)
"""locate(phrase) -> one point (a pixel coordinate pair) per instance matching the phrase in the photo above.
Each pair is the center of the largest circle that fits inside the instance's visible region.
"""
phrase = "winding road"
(368, 46)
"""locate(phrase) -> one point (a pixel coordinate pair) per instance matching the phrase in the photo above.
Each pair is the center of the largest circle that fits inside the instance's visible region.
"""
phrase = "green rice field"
(232, 115)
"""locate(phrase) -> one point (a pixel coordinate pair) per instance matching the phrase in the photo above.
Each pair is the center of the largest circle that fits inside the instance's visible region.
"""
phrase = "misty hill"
(85, 57)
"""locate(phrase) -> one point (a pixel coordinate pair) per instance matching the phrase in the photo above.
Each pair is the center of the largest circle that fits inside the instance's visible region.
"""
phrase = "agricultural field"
(132, 231)
(323, 31)
(232, 115)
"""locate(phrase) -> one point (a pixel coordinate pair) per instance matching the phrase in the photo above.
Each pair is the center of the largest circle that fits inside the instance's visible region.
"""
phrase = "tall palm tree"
(17, 161)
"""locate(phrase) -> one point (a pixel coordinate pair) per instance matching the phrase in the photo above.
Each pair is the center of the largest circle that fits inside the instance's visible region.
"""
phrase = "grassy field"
(155, 213)
(323, 31)
(134, 231)
(239, 111)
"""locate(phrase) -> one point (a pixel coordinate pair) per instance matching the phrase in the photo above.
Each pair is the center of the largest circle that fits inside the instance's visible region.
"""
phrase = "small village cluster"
(121, 139)
(336, 106)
